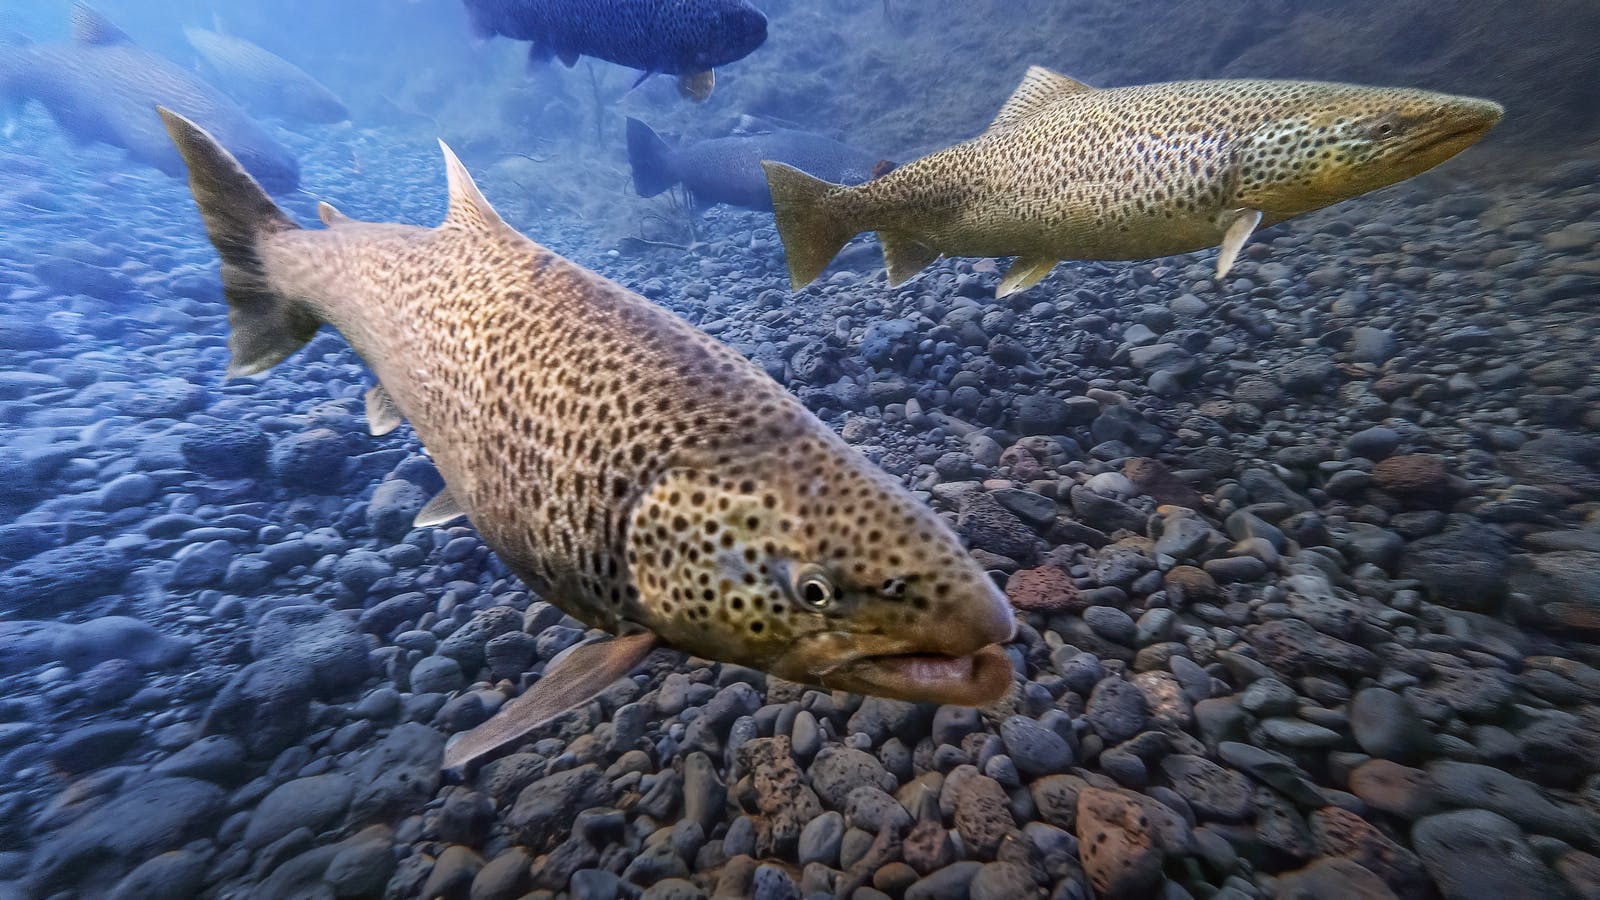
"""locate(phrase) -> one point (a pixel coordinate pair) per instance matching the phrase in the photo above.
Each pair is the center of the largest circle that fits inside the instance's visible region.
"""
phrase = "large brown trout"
(1070, 172)
(643, 477)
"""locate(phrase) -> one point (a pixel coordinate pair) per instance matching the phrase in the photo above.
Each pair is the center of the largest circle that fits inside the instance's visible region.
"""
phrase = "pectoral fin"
(1244, 224)
(1024, 273)
(904, 256)
(441, 509)
(575, 675)
(697, 85)
(382, 415)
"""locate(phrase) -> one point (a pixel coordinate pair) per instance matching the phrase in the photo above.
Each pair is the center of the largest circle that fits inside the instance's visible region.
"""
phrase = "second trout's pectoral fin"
(1039, 88)
(904, 256)
(573, 677)
(441, 509)
(1026, 272)
(1244, 224)
(382, 415)
(697, 85)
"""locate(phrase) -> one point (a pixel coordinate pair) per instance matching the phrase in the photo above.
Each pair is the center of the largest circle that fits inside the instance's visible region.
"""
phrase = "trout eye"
(1384, 128)
(813, 587)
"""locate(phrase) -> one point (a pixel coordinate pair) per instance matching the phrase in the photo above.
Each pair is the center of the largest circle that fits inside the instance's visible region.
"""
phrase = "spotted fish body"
(1070, 172)
(687, 38)
(648, 480)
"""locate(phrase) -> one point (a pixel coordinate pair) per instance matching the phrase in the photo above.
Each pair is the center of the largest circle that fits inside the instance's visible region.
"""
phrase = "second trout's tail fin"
(812, 231)
(265, 326)
(650, 158)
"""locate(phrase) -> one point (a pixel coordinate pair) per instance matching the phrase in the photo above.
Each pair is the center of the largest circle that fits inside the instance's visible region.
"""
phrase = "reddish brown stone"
(1046, 589)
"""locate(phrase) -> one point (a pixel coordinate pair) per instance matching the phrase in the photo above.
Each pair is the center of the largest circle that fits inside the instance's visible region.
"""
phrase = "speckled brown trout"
(1070, 172)
(645, 478)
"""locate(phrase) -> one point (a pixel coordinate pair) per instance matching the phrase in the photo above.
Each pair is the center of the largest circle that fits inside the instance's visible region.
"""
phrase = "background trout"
(648, 480)
(687, 38)
(104, 87)
(267, 84)
(728, 169)
(1070, 172)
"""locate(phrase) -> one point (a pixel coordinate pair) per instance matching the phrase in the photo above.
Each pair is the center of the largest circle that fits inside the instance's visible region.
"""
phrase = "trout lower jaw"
(975, 679)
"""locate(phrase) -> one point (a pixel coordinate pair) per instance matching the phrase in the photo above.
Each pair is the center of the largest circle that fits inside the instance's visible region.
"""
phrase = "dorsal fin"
(468, 208)
(90, 27)
(1038, 88)
(329, 215)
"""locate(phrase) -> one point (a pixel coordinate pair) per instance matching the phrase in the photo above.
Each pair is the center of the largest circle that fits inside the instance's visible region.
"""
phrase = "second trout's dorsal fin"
(1039, 88)
(468, 207)
(90, 27)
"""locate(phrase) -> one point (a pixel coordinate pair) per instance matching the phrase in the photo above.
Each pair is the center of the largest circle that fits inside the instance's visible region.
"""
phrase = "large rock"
(63, 578)
(1123, 841)
(987, 525)
(543, 814)
(1559, 591)
(315, 802)
(302, 653)
(315, 459)
(1474, 854)
(398, 775)
(227, 449)
(100, 847)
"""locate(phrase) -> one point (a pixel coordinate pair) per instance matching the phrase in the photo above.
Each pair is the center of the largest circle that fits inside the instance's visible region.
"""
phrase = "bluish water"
(1303, 560)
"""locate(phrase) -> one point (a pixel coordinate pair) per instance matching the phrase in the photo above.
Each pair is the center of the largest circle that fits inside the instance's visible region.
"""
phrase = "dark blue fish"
(686, 38)
(102, 87)
(728, 169)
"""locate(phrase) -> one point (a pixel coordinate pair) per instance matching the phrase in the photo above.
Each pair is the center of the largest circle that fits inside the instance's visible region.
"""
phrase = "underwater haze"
(603, 449)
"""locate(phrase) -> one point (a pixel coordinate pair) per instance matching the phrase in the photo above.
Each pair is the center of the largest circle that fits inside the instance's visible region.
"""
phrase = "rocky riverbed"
(1305, 567)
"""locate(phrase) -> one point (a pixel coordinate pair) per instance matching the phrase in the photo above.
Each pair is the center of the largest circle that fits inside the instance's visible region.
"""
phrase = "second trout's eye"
(813, 587)
(1385, 128)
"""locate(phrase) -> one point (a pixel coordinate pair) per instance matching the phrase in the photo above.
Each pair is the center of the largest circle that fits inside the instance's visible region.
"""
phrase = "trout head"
(1332, 142)
(807, 562)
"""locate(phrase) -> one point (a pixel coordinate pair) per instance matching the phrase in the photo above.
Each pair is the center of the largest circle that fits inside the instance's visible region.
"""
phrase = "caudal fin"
(812, 232)
(265, 326)
(650, 158)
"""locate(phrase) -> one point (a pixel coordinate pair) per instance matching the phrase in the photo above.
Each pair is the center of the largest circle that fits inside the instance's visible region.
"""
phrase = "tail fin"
(266, 326)
(812, 232)
(650, 158)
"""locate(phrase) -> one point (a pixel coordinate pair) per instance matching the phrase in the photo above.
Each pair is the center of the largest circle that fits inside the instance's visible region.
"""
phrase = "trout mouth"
(1460, 131)
(898, 673)
(973, 680)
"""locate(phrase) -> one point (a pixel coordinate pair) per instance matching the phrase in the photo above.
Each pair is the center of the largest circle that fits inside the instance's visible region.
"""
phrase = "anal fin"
(575, 675)
(1026, 272)
(904, 256)
(1244, 224)
(441, 509)
(382, 415)
(697, 86)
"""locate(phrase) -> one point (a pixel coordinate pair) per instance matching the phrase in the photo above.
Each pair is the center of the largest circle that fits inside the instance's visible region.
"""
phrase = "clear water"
(1364, 663)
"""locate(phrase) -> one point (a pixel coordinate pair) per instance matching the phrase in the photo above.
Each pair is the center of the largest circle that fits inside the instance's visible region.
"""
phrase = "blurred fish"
(1066, 171)
(266, 84)
(687, 38)
(102, 87)
(728, 169)
(645, 478)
